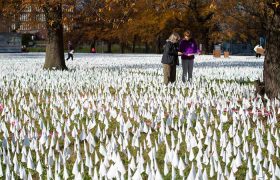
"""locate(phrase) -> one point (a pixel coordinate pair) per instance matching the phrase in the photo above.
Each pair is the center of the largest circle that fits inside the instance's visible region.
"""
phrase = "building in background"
(30, 24)
(31, 21)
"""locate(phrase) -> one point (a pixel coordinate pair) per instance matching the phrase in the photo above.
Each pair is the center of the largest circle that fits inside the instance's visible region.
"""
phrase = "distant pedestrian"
(170, 58)
(70, 51)
(93, 50)
(259, 50)
(189, 48)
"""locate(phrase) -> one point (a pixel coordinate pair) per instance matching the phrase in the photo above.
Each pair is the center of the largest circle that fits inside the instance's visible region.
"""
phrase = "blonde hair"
(174, 37)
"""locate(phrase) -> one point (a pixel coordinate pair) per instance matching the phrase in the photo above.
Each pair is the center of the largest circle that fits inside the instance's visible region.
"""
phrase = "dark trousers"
(187, 65)
(70, 56)
(169, 73)
(258, 55)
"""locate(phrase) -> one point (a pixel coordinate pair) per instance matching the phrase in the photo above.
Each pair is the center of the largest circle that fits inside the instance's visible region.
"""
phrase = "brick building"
(32, 21)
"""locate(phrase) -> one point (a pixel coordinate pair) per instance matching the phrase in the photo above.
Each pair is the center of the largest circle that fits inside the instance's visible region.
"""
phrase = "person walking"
(70, 51)
(256, 49)
(170, 58)
(189, 48)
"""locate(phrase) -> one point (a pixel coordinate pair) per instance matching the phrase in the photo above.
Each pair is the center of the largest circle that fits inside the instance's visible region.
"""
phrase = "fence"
(10, 43)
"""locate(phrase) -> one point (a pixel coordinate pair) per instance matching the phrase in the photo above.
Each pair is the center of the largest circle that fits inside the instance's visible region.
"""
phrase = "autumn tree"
(195, 15)
(53, 15)
(271, 72)
(265, 16)
(54, 49)
(237, 25)
(146, 22)
(9, 12)
(104, 20)
(147, 25)
(199, 16)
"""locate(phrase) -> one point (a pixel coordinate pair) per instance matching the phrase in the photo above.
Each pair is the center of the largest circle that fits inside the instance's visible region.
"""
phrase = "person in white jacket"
(258, 55)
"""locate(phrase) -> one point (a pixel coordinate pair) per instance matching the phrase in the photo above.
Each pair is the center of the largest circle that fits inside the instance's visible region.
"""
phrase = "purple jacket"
(188, 47)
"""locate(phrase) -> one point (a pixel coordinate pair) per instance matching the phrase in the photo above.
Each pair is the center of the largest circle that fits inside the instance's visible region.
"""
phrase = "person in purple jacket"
(189, 48)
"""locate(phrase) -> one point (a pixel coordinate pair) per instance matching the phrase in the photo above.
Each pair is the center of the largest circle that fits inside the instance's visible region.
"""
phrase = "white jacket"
(256, 47)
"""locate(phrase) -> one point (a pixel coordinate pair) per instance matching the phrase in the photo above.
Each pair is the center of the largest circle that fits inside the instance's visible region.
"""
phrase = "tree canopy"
(150, 22)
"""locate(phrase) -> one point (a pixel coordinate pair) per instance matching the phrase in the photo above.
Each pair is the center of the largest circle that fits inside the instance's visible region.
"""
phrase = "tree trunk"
(158, 45)
(109, 47)
(206, 44)
(146, 47)
(54, 59)
(206, 41)
(122, 48)
(271, 72)
(134, 44)
(93, 44)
